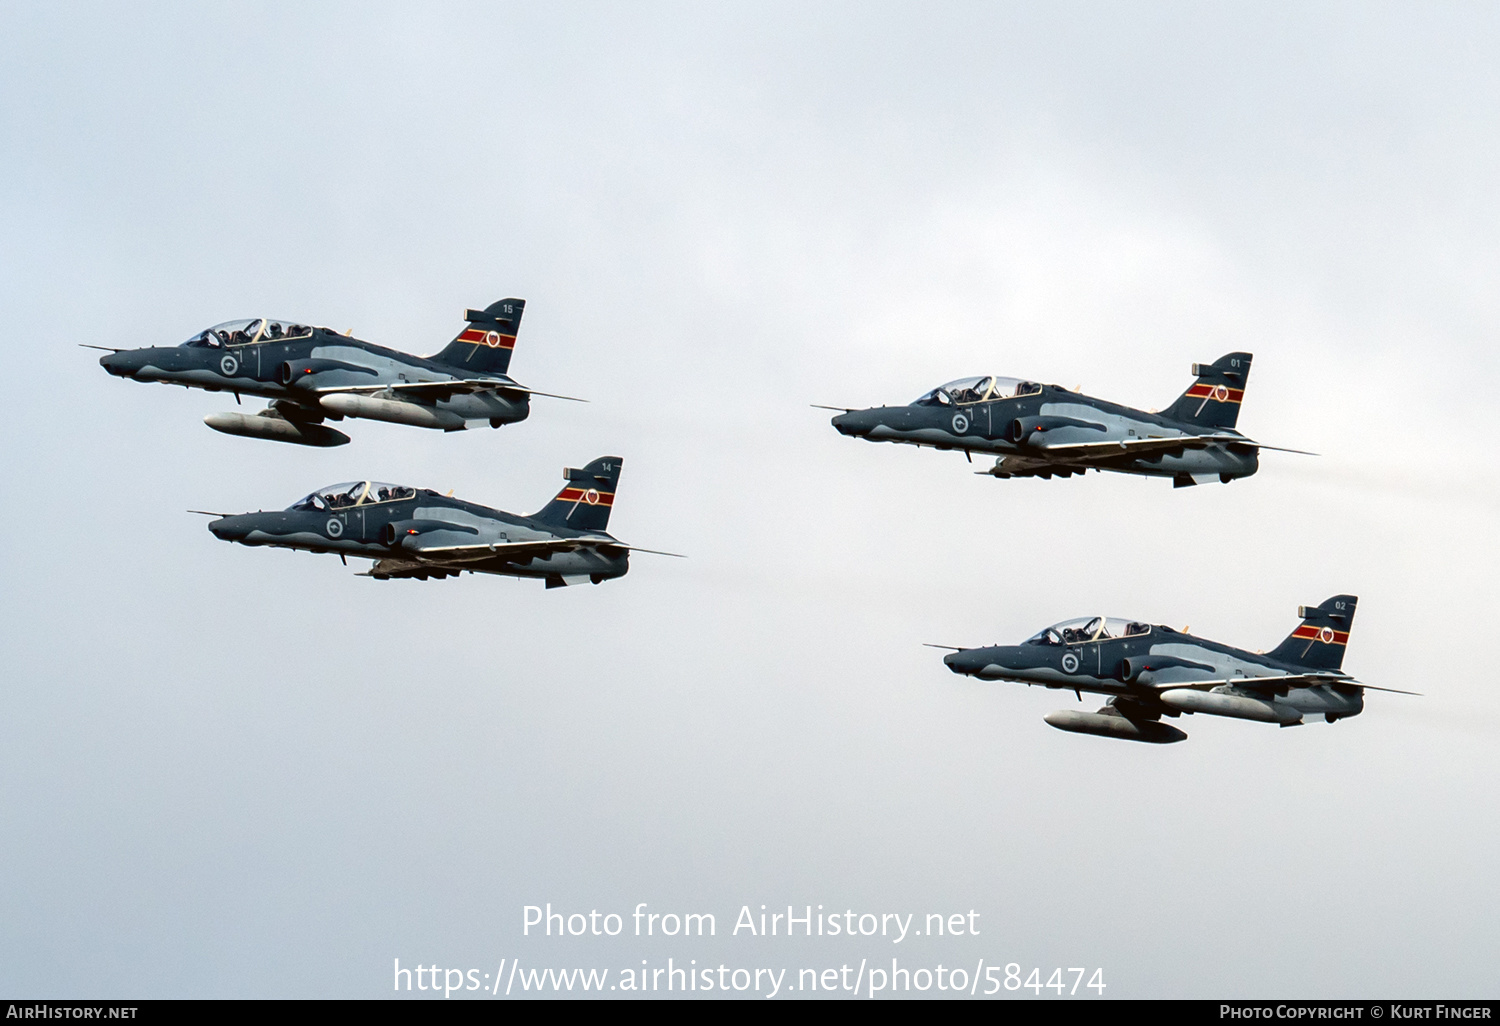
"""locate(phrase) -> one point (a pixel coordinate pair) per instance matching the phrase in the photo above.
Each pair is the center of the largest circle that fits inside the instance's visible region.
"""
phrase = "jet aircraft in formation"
(1039, 430)
(415, 532)
(314, 374)
(1150, 671)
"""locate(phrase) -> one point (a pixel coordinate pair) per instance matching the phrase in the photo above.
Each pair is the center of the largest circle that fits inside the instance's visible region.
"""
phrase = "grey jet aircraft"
(1150, 671)
(415, 532)
(1039, 430)
(314, 374)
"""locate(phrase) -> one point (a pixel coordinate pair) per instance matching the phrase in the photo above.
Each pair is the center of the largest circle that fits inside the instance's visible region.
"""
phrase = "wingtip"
(1279, 448)
(1391, 691)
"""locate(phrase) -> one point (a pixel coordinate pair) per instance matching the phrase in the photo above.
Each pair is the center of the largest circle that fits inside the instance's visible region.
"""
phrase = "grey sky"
(230, 772)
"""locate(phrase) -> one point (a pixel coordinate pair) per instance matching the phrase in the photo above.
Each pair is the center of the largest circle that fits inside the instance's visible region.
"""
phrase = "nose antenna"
(107, 349)
(210, 513)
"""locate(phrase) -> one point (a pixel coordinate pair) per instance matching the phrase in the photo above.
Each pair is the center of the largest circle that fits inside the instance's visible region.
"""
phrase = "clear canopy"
(1088, 628)
(239, 333)
(352, 493)
(985, 388)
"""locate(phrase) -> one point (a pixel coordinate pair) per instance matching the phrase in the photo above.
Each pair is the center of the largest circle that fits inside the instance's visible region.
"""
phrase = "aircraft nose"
(991, 663)
(231, 529)
(966, 661)
(855, 422)
(118, 364)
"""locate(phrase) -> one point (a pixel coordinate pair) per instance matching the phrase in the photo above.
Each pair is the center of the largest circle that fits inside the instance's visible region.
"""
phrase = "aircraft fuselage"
(1038, 429)
(299, 369)
(386, 531)
(1157, 669)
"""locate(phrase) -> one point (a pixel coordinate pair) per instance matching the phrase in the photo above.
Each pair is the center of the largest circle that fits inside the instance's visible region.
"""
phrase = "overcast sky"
(236, 772)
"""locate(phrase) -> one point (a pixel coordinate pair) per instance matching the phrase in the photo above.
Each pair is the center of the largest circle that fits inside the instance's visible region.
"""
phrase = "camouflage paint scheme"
(1039, 430)
(417, 533)
(1150, 671)
(313, 374)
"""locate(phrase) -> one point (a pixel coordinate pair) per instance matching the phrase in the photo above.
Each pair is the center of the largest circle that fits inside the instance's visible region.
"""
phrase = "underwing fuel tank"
(1115, 725)
(391, 410)
(1238, 706)
(276, 428)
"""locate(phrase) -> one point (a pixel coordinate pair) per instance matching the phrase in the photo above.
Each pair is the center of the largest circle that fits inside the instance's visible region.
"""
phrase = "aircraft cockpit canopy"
(352, 493)
(239, 333)
(1088, 628)
(978, 390)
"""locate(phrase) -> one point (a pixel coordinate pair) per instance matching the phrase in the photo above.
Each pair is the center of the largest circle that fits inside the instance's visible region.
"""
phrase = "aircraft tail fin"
(1319, 640)
(585, 501)
(485, 345)
(1213, 401)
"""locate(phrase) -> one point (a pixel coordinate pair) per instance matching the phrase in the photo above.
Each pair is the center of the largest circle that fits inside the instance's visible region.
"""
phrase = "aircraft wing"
(1277, 684)
(518, 550)
(1138, 446)
(442, 389)
(452, 560)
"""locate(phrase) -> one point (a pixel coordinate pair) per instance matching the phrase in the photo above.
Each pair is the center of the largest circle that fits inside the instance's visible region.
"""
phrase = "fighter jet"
(1039, 430)
(313, 374)
(415, 532)
(1150, 671)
